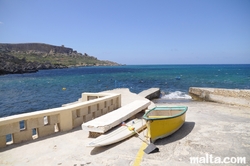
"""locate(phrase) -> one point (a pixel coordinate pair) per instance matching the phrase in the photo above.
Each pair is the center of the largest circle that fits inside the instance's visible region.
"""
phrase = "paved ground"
(210, 128)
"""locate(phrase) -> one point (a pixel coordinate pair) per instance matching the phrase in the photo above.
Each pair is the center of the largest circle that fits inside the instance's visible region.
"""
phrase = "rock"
(36, 47)
(12, 65)
(31, 57)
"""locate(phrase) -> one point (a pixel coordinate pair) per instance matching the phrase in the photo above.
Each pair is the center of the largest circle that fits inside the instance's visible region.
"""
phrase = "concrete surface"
(227, 96)
(152, 93)
(128, 97)
(210, 128)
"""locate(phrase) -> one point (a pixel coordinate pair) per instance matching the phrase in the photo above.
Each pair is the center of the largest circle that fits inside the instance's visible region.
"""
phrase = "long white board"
(118, 134)
(106, 122)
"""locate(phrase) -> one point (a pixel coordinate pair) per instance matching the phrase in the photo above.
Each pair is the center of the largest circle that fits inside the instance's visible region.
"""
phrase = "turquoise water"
(30, 92)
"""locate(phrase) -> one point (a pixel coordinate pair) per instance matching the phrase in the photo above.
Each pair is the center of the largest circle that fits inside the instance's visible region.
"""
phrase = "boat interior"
(162, 112)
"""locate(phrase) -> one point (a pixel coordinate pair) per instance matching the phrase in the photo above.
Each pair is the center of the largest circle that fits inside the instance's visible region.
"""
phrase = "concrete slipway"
(216, 129)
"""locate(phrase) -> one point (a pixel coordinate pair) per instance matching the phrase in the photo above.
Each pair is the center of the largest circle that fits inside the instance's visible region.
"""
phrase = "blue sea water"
(21, 93)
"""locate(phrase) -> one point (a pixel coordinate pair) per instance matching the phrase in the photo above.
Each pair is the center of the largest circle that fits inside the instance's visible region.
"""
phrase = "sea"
(22, 93)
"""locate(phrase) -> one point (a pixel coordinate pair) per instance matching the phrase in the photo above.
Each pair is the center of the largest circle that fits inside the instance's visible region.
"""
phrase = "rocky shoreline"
(12, 65)
(31, 57)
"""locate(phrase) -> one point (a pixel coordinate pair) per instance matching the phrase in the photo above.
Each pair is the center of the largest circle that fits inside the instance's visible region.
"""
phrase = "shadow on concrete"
(97, 150)
(102, 149)
(11, 146)
(181, 133)
(186, 128)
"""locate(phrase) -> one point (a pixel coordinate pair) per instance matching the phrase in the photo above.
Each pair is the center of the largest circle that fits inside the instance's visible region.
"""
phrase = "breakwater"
(239, 97)
(29, 126)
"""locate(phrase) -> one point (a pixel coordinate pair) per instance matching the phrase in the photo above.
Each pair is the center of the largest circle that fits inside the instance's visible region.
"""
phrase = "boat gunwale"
(182, 108)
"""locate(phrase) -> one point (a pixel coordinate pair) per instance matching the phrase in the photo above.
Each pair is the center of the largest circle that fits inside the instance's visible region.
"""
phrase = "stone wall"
(228, 96)
(152, 93)
(29, 126)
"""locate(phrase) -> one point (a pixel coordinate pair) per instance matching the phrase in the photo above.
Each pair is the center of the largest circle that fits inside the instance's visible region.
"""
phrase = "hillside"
(31, 57)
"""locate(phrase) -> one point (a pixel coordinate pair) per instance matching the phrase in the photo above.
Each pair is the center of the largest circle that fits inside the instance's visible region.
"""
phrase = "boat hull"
(165, 124)
(118, 134)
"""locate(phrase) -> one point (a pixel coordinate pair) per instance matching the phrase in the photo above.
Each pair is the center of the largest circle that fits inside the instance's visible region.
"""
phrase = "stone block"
(66, 121)
(46, 130)
(105, 110)
(83, 111)
(111, 108)
(35, 123)
(74, 114)
(108, 103)
(53, 119)
(78, 121)
(9, 128)
(21, 136)
(98, 113)
(2, 141)
(93, 108)
(101, 105)
(88, 117)
(92, 97)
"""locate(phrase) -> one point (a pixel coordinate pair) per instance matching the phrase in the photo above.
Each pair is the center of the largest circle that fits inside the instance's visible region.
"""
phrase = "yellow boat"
(164, 121)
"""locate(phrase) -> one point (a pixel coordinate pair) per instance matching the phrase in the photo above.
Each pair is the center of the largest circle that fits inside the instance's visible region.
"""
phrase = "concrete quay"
(228, 96)
(216, 129)
(152, 93)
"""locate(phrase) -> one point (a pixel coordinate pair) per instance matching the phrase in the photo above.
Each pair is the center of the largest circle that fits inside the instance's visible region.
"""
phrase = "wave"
(176, 95)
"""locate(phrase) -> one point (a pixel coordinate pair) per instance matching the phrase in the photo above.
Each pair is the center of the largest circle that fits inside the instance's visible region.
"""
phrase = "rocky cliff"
(36, 48)
(11, 65)
(31, 57)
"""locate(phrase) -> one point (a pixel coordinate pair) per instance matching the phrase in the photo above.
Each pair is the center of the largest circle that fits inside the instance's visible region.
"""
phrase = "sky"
(135, 31)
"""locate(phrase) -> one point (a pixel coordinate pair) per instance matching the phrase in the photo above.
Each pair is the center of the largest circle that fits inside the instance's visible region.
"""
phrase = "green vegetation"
(55, 55)
(63, 59)
(31, 57)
